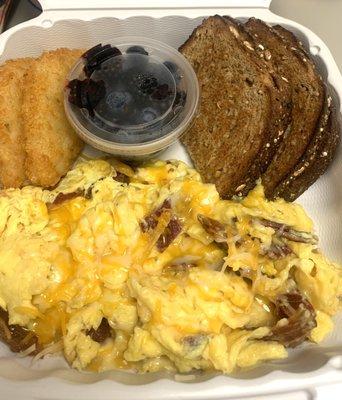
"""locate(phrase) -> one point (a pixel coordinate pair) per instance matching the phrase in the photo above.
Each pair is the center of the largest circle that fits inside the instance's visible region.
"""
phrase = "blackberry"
(161, 92)
(86, 94)
(97, 55)
(146, 83)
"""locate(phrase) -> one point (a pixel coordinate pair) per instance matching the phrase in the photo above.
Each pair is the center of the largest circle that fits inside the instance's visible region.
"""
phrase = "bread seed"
(296, 173)
(234, 31)
(268, 55)
(248, 45)
(239, 188)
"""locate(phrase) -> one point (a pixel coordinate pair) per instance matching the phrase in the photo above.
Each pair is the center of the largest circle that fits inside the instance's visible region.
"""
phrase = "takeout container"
(311, 370)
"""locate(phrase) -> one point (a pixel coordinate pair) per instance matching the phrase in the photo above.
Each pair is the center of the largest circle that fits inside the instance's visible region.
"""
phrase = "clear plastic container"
(131, 98)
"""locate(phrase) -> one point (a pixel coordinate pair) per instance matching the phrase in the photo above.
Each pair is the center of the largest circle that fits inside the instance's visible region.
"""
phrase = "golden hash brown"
(51, 144)
(12, 155)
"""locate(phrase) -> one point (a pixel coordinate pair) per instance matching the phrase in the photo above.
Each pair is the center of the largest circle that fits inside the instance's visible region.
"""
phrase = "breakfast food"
(241, 107)
(281, 106)
(12, 154)
(149, 269)
(37, 143)
(137, 90)
(306, 129)
(131, 99)
(51, 145)
(308, 97)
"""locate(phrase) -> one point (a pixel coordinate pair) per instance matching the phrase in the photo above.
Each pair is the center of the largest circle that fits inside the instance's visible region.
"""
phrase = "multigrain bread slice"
(281, 106)
(12, 154)
(323, 145)
(236, 106)
(308, 97)
(317, 157)
(51, 144)
(291, 39)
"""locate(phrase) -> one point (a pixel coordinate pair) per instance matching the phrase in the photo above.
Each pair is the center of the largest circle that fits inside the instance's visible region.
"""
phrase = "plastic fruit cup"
(132, 98)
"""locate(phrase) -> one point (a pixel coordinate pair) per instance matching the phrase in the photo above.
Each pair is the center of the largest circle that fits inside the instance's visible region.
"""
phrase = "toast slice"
(291, 39)
(12, 154)
(236, 115)
(323, 146)
(281, 106)
(317, 157)
(308, 97)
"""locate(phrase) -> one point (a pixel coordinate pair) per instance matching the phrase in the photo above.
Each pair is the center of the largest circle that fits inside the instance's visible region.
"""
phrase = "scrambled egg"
(160, 273)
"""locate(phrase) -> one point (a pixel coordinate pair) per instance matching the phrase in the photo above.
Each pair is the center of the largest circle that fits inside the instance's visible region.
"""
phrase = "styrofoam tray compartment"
(75, 24)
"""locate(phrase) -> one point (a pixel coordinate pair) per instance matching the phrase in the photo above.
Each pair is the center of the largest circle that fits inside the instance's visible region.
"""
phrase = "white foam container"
(311, 371)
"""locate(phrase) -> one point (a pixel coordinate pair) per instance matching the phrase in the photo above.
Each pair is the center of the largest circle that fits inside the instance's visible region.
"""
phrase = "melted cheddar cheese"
(196, 304)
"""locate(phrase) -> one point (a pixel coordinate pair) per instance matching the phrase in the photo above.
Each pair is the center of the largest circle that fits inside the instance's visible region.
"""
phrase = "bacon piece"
(102, 332)
(151, 221)
(297, 318)
(179, 268)
(120, 177)
(62, 197)
(215, 228)
(17, 337)
(285, 231)
(170, 233)
(277, 250)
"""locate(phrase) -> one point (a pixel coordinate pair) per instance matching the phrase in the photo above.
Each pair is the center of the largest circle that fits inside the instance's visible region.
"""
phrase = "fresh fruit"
(146, 83)
(180, 98)
(118, 100)
(161, 92)
(97, 55)
(149, 114)
(137, 49)
(86, 94)
(172, 67)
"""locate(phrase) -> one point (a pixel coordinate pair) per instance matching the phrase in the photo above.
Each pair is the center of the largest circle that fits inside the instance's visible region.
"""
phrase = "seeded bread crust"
(234, 117)
(308, 97)
(322, 148)
(281, 106)
(292, 39)
(316, 159)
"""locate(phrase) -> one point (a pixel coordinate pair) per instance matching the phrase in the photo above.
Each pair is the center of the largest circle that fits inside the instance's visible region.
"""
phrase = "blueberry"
(146, 83)
(161, 92)
(172, 67)
(137, 49)
(118, 100)
(149, 114)
(180, 98)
